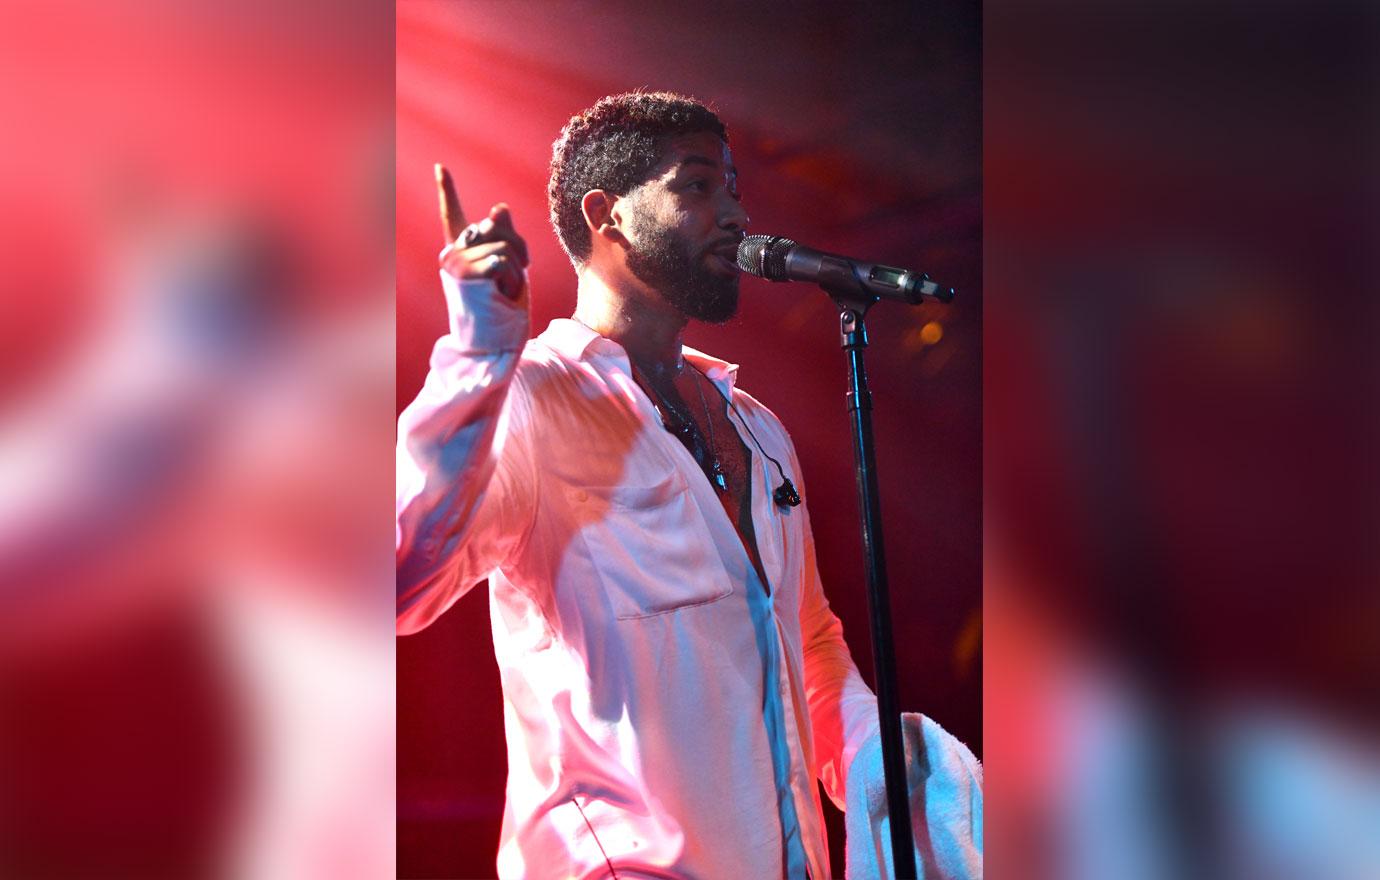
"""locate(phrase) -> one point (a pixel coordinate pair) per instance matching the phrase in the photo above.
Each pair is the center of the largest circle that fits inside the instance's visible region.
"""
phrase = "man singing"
(674, 681)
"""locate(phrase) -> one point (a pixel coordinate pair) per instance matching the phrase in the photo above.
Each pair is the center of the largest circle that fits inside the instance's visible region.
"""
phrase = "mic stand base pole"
(853, 334)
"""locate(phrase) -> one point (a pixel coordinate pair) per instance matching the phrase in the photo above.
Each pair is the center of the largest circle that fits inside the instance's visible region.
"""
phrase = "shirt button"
(581, 496)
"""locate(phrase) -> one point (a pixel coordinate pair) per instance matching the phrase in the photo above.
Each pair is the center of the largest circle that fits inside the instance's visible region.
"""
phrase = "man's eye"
(699, 185)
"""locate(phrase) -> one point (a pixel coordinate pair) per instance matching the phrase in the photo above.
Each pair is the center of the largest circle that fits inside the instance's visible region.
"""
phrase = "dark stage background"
(855, 129)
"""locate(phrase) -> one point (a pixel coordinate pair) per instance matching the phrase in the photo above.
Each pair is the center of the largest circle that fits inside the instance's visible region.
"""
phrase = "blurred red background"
(1180, 386)
(195, 638)
(856, 133)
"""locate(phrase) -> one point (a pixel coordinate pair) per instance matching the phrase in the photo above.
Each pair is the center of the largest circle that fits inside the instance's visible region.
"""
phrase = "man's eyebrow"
(697, 160)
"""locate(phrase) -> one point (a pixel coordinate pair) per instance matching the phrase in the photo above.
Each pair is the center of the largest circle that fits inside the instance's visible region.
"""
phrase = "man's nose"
(734, 216)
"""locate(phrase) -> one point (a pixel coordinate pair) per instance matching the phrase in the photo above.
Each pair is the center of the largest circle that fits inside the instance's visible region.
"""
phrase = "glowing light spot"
(931, 333)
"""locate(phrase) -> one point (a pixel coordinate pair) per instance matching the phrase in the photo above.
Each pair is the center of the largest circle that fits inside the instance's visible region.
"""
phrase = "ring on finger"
(496, 264)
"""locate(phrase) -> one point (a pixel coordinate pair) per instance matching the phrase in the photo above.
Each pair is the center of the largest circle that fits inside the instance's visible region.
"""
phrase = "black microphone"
(780, 259)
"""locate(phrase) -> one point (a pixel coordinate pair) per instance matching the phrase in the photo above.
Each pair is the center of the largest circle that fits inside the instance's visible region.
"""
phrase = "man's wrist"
(482, 318)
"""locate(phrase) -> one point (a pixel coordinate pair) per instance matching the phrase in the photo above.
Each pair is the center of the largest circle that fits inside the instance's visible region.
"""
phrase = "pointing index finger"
(452, 217)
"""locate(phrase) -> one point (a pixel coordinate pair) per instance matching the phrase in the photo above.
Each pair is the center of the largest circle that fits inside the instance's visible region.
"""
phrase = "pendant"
(718, 478)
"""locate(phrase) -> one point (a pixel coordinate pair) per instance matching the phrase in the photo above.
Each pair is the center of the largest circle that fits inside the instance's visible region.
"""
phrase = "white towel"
(945, 783)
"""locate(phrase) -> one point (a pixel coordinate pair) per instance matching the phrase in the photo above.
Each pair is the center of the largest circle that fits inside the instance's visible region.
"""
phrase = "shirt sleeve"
(465, 478)
(843, 710)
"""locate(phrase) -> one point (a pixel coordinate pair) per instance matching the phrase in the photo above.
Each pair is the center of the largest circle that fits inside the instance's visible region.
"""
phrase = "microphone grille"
(764, 256)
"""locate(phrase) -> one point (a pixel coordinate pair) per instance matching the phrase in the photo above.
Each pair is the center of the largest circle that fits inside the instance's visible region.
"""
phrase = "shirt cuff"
(481, 318)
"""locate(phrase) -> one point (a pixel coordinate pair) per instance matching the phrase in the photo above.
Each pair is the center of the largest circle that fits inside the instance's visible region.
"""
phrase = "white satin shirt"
(665, 715)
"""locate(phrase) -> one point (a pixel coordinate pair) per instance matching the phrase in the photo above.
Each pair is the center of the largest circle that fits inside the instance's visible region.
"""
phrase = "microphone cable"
(785, 495)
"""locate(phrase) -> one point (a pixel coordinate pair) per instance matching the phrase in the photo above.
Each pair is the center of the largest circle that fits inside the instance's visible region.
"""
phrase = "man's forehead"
(703, 149)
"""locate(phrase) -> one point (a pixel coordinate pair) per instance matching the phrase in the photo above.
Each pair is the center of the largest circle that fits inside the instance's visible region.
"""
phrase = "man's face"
(686, 224)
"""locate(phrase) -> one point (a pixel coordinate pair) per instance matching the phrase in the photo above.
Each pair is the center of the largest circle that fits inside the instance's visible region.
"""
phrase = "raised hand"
(489, 249)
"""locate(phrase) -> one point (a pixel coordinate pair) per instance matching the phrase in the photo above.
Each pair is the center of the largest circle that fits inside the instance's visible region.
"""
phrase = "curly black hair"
(614, 146)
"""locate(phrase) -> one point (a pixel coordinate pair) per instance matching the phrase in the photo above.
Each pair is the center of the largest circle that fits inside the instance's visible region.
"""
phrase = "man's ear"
(602, 215)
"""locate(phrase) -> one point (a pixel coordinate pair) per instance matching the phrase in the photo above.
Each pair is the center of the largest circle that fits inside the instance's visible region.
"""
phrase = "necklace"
(683, 426)
(717, 477)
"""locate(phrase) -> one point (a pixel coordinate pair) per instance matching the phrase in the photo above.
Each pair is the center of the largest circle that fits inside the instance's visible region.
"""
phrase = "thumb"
(499, 215)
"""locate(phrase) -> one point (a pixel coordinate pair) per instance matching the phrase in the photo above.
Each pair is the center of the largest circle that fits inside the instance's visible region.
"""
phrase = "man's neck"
(648, 330)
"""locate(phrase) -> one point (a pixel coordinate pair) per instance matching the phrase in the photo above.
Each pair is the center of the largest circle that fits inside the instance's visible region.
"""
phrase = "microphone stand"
(853, 301)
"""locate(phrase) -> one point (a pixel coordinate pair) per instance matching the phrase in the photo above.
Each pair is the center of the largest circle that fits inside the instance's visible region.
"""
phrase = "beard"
(668, 264)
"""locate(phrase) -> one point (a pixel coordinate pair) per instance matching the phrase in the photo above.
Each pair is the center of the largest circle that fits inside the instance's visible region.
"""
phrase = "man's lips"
(727, 253)
(729, 264)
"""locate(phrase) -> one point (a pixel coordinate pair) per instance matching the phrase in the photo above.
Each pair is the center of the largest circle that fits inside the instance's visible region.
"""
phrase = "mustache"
(731, 241)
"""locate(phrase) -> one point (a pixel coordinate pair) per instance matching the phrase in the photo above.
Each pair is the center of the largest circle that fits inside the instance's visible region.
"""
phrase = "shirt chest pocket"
(650, 546)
